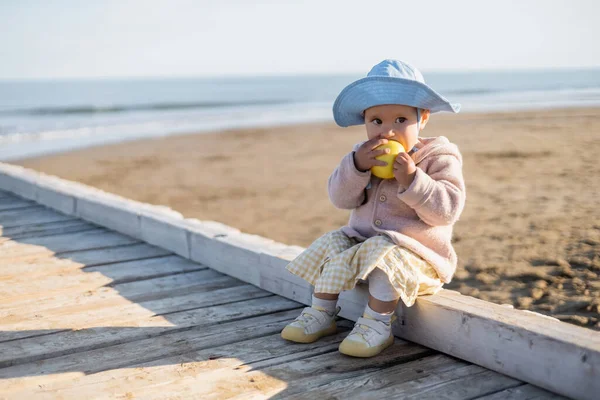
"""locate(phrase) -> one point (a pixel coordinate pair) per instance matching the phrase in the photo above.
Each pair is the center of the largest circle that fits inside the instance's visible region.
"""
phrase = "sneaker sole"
(356, 349)
(297, 335)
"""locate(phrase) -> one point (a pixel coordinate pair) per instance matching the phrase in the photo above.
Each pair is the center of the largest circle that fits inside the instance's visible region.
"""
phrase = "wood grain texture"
(198, 343)
(523, 392)
(69, 341)
(13, 203)
(46, 229)
(33, 215)
(180, 332)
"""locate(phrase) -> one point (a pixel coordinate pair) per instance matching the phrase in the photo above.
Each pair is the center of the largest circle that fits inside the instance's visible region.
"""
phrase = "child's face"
(395, 122)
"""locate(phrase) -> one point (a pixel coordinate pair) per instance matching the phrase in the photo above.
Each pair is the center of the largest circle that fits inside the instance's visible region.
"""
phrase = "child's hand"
(364, 157)
(404, 169)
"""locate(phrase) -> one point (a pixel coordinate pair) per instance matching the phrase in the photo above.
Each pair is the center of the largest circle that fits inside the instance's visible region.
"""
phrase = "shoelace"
(363, 330)
(304, 319)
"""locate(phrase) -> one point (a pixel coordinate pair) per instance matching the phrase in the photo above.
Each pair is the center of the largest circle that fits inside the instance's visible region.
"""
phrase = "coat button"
(382, 198)
(378, 222)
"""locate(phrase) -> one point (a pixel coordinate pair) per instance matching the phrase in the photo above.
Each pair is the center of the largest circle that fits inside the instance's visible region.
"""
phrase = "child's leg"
(383, 298)
(313, 265)
(326, 296)
(325, 302)
(385, 308)
(372, 332)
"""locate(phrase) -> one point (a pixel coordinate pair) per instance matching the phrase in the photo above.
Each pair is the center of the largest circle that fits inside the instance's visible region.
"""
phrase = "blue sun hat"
(389, 82)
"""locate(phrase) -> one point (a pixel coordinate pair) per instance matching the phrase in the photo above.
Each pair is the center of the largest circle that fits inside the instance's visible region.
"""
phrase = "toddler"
(399, 233)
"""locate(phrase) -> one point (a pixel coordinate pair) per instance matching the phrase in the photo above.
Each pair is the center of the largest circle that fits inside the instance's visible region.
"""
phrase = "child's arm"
(347, 184)
(438, 196)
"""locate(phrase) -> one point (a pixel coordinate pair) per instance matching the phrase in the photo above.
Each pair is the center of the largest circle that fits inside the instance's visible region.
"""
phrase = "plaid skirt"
(335, 262)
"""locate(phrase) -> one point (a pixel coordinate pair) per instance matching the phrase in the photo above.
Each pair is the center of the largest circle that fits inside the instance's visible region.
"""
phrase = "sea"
(45, 117)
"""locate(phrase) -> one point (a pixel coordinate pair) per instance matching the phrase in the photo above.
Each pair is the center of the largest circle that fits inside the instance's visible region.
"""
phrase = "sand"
(529, 235)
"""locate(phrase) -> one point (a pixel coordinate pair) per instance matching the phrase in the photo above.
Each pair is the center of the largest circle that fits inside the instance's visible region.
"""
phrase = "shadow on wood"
(87, 311)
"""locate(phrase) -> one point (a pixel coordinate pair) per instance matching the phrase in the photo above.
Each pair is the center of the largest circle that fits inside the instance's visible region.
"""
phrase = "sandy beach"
(529, 235)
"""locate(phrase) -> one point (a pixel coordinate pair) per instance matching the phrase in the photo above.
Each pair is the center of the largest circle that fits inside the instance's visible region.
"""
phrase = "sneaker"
(311, 325)
(368, 338)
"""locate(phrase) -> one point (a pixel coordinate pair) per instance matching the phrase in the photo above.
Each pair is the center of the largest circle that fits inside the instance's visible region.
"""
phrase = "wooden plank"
(211, 344)
(14, 199)
(155, 348)
(61, 343)
(165, 231)
(111, 309)
(509, 341)
(45, 229)
(84, 289)
(208, 350)
(4, 200)
(95, 239)
(232, 370)
(7, 195)
(31, 216)
(523, 392)
(144, 269)
(38, 248)
(39, 267)
(434, 377)
(157, 288)
(452, 385)
(111, 306)
(114, 212)
(307, 374)
(68, 279)
(224, 372)
(41, 261)
(116, 254)
(12, 252)
(18, 180)
(119, 272)
(422, 369)
(9, 204)
(129, 314)
(20, 208)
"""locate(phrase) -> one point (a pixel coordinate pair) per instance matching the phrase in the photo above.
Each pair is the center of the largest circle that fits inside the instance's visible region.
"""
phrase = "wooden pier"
(87, 312)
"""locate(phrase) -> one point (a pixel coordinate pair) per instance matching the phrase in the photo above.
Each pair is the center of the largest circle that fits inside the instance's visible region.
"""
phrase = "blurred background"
(75, 74)
(222, 111)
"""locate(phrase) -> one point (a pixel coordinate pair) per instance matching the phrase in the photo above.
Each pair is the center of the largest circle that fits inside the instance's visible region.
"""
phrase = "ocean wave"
(89, 109)
(470, 91)
(19, 137)
(548, 89)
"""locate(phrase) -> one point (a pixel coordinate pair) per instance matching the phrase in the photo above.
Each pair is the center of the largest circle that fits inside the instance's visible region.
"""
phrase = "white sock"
(324, 305)
(385, 318)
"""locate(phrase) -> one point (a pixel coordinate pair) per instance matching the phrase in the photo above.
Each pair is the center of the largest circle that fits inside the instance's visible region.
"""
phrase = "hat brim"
(379, 90)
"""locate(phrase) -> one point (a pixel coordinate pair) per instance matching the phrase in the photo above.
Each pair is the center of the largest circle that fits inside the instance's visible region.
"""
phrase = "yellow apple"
(387, 172)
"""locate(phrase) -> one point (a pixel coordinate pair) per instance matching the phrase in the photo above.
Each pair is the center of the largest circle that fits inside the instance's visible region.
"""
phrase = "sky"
(176, 38)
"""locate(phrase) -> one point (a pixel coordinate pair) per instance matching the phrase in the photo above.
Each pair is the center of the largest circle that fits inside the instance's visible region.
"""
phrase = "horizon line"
(234, 76)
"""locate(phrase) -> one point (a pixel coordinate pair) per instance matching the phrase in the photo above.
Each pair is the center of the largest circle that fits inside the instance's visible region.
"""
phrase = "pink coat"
(420, 217)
